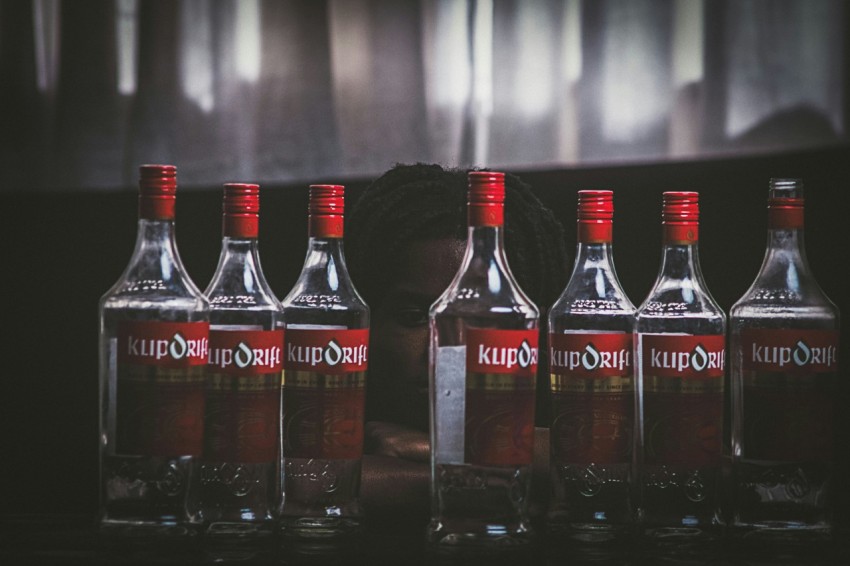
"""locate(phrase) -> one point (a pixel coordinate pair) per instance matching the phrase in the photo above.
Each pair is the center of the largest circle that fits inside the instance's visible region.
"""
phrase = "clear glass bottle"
(483, 366)
(238, 486)
(325, 362)
(154, 328)
(680, 348)
(784, 334)
(592, 387)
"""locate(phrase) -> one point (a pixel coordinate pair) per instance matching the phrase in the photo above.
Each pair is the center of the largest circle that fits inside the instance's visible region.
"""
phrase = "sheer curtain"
(290, 91)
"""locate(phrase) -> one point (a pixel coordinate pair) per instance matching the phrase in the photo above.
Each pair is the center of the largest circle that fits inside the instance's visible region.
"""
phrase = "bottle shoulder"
(580, 299)
(241, 293)
(783, 314)
(685, 296)
(154, 277)
(154, 294)
(323, 305)
(485, 285)
(169, 309)
(772, 295)
(685, 309)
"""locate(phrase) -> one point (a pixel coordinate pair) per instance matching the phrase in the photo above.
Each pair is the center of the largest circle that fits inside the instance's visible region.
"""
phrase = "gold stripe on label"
(224, 382)
(498, 382)
(573, 384)
(656, 384)
(153, 374)
(790, 382)
(313, 380)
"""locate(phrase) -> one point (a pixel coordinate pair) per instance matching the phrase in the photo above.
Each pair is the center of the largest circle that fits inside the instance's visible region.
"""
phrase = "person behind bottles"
(406, 237)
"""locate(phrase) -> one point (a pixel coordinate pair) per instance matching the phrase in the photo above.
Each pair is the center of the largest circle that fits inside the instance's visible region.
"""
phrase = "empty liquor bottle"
(592, 387)
(483, 366)
(324, 382)
(680, 346)
(154, 329)
(784, 335)
(238, 480)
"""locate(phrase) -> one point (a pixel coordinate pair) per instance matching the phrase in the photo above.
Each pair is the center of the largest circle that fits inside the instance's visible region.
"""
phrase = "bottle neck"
(594, 255)
(238, 247)
(485, 239)
(787, 241)
(680, 261)
(785, 256)
(155, 234)
(325, 259)
(155, 256)
(239, 252)
(238, 271)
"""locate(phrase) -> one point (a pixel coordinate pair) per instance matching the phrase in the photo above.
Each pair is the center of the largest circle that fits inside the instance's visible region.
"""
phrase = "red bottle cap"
(680, 217)
(785, 204)
(325, 211)
(240, 210)
(486, 204)
(595, 216)
(157, 191)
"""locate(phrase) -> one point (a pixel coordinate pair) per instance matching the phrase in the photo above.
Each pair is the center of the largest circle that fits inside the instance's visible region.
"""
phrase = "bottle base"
(138, 528)
(319, 528)
(590, 533)
(781, 533)
(487, 536)
(238, 530)
(682, 542)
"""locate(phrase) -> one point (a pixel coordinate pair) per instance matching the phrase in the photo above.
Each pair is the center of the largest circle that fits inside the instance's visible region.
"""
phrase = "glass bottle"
(154, 328)
(784, 334)
(592, 386)
(680, 347)
(324, 380)
(238, 479)
(483, 366)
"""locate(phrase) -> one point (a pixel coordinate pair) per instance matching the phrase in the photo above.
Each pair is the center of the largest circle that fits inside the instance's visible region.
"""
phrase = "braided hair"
(425, 201)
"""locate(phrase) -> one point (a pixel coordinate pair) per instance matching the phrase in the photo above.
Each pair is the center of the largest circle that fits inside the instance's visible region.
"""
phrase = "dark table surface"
(75, 539)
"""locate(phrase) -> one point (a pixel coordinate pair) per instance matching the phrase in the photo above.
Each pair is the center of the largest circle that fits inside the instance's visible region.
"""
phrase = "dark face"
(398, 361)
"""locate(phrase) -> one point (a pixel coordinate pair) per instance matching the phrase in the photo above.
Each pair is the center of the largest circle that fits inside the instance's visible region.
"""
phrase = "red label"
(163, 344)
(683, 399)
(324, 393)
(502, 351)
(327, 351)
(789, 388)
(160, 388)
(592, 397)
(669, 355)
(323, 415)
(243, 396)
(246, 352)
(789, 351)
(591, 355)
(501, 367)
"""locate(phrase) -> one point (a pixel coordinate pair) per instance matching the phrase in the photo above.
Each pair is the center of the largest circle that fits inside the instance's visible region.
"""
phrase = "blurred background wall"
(288, 91)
